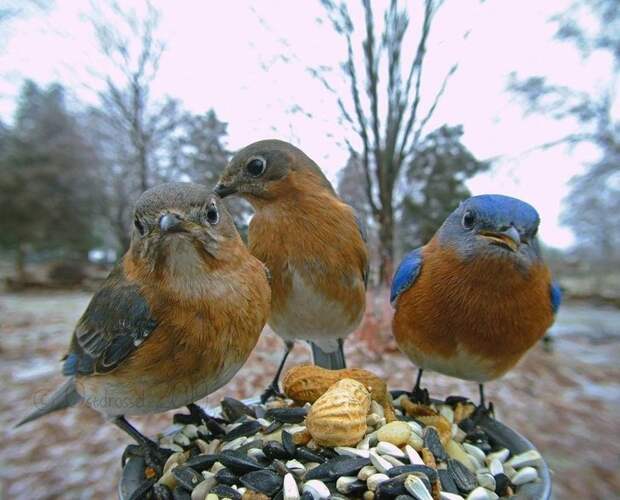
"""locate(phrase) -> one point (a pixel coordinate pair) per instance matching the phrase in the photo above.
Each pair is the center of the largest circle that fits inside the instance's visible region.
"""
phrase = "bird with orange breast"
(310, 240)
(478, 296)
(173, 322)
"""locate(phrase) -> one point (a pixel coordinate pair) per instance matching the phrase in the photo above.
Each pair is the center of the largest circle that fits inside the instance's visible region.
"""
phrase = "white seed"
(447, 412)
(496, 467)
(213, 445)
(311, 465)
(415, 427)
(375, 480)
(415, 486)
(351, 452)
(171, 447)
(203, 429)
(343, 484)
(381, 464)
(296, 467)
(365, 472)
(501, 455)
(368, 495)
(475, 452)
(264, 422)
(458, 434)
(509, 470)
(190, 430)
(528, 458)
(316, 488)
(385, 448)
(202, 488)
(376, 408)
(203, 446)
(416, 442)
(241, 490)
(212, 496)
(289, 489)
(174, 460)
(373, 419)
(486, 480)
(481, 493)
(413, 456)
(181, 439)
(364, 444)
(525, 475)
(234, 444)
(394, 461)
(444, 495)
(217, 466)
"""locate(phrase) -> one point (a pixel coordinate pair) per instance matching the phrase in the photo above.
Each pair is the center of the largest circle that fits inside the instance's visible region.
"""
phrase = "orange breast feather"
(484, 307)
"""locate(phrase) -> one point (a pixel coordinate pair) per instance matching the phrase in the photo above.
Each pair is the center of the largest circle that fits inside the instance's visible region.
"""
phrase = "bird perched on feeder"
(174, 321)
(472, 301)
(310, 240)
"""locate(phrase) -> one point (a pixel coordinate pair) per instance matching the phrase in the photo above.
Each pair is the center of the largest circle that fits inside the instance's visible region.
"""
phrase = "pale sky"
(227, 56)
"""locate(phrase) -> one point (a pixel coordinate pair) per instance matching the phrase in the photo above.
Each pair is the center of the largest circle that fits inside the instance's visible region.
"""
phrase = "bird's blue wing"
(406, 274)
(556, 296)
(117, 320)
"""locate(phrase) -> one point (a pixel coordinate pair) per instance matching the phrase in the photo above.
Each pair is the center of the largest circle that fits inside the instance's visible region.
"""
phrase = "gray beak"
(170, 223)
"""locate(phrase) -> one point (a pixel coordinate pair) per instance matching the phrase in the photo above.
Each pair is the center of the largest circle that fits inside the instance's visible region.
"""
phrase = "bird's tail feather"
(64, 397)
(331, 360)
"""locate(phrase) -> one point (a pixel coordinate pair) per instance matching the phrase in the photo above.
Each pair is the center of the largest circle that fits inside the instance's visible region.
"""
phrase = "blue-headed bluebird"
(175, 319)
(472, 301)
(310, 240)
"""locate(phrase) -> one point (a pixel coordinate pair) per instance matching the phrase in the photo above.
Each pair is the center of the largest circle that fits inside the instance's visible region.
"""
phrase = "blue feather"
(406, 274)
(556, 296)
(70, 365)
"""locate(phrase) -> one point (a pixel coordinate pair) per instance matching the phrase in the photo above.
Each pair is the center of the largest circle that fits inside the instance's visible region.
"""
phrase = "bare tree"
(132, 126)
(387, 135)
(595, 194)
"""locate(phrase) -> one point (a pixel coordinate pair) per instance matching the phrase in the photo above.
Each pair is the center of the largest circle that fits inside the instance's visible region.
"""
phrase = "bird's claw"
(482, 411)
(272, 391)
(420, 396)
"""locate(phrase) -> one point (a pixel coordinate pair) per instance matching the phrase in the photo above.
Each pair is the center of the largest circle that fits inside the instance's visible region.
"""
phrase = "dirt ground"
(566, 401)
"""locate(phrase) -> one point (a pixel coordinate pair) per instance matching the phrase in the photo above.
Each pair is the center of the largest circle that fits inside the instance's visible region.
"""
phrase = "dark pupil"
(139, 226)
(255, 167)
(212, 215)
(469, 219)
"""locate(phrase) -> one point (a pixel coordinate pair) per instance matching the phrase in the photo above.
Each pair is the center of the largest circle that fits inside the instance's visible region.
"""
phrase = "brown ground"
(567, 402)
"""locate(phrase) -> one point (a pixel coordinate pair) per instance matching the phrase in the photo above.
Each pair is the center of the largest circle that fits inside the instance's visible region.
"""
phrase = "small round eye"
(213, 216)
(469, 219)
(139, 226)
(256, 167)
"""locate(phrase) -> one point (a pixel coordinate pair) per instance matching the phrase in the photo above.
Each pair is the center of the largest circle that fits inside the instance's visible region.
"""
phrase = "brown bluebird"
(310, 240)
(175, 319)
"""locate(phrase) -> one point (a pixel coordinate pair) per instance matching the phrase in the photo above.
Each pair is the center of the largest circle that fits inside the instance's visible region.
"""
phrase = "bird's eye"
(213, 216)
(469, 219)
(256, 167)
(139, 226)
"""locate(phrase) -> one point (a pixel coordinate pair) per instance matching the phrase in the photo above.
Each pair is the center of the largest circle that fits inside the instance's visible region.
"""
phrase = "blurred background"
(409, 107)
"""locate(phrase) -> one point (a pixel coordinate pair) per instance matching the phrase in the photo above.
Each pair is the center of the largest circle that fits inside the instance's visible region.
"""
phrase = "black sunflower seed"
(336, 467)
(264, 481)
(464, 479)
(287, 415)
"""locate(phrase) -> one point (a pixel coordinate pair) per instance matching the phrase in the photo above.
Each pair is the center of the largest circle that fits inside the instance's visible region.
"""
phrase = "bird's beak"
(171, 223)
(510, 239)
(222, 190)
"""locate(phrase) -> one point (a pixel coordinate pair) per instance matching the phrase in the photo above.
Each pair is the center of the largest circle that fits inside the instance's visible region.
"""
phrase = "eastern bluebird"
(310, 240)
(473, 300)
(175, 319)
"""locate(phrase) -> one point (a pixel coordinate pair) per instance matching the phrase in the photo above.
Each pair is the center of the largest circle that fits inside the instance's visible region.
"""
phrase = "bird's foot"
(272, 391)
(482, 411)
(154, 457)
(198, 416)
(420, 396)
